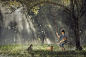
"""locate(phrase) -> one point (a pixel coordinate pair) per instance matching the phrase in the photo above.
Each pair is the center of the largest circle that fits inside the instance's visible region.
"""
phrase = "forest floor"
(40, 50)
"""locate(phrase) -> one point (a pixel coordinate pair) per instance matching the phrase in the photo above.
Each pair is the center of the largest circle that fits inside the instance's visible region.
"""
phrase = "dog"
(50, 48)
(30, 47)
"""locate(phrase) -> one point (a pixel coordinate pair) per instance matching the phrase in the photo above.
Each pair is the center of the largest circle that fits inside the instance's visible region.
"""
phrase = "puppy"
(50, 48)
(30, 47)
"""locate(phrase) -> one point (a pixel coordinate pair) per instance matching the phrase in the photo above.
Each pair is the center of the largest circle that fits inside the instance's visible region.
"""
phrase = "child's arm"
(57, 35)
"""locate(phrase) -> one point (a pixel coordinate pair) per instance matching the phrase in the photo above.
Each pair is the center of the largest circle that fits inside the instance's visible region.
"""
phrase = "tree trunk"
(75, 27)
(76, 33)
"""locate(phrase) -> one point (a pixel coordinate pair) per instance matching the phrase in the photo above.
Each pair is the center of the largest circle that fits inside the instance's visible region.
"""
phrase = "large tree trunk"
(76, 33)
(76, 27)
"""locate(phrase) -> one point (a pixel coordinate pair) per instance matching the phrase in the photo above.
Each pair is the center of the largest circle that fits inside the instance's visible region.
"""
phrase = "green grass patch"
(39, 51)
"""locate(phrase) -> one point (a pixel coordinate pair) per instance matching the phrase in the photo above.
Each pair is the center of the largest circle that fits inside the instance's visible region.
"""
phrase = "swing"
(55, 23)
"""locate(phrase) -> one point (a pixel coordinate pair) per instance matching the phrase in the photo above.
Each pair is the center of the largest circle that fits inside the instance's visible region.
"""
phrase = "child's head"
(62, 31)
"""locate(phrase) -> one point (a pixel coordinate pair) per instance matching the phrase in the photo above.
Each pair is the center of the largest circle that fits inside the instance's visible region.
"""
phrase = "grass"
(39, 50)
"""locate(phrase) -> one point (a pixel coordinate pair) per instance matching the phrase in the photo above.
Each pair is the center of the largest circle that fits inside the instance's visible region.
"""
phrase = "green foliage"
(10, 3)
(65, 2)
(34, 7)
(20, 3)
(35, 10)
(38, 50)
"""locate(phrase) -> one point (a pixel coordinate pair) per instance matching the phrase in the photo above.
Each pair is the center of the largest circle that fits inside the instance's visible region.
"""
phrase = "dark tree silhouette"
(43, 37)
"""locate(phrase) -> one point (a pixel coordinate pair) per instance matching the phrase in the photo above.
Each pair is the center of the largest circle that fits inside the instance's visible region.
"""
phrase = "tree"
(76, 11)
(80, 10)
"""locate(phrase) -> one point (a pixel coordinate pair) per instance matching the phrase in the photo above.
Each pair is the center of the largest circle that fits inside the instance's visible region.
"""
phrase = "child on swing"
(63, 38)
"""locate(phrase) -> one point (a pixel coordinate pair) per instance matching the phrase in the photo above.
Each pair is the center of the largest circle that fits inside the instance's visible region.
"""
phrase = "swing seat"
(67, 42)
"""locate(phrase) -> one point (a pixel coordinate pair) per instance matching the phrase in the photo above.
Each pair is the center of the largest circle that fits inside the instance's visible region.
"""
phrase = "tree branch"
(83, 12)
(50, 3)
(84, 5)
(38, 3)
(67, 12)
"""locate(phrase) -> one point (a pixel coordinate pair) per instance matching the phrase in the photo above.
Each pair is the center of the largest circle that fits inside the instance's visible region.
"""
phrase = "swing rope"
(55, 20)
(55, 17)
(66, 21)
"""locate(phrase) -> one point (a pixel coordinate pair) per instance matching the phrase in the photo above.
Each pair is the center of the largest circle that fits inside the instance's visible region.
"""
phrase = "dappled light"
(42, 28)
(48, 41)
(18, 23)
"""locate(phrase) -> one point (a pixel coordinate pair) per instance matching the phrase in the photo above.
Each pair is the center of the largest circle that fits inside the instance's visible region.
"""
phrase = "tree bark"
(76, 32)
(76, 27)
